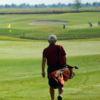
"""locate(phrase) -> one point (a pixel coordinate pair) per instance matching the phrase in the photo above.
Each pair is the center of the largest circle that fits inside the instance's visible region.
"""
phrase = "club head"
(73, 73)
(76, 67)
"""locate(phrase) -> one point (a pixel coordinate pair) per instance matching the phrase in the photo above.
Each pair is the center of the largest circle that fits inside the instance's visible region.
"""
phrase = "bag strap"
(58, 51)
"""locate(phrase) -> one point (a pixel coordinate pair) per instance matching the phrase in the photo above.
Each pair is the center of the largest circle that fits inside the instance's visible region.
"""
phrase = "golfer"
(50, 54)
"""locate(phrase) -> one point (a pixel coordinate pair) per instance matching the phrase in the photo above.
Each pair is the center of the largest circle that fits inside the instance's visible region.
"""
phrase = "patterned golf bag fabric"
(57, 78)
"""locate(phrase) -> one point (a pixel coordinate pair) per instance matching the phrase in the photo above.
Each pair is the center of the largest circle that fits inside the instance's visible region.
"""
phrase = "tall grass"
(23, 10)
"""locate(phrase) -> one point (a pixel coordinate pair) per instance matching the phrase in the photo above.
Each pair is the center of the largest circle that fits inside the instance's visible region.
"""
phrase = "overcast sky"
(32, 2)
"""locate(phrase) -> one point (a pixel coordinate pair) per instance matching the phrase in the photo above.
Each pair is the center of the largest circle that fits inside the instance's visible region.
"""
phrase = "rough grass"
(61, 34)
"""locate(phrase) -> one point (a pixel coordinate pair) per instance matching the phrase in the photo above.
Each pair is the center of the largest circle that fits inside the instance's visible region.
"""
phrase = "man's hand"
(43, 67)
(43, 74)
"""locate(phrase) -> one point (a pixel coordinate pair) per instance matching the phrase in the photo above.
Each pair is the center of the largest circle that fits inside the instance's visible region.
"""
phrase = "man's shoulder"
(56, 45)
(60, 46)
(49, 47)
(46, 48)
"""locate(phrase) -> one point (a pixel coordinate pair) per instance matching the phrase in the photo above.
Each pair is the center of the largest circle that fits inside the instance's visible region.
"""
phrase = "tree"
(98, 4)
(36, 6)
(94, 4)
(59, 5)
(77, 4)
(7, 6)
(87, 4)
(53, 5)
(0, 6)
(69, 5)
(13, 5)
(23, 5)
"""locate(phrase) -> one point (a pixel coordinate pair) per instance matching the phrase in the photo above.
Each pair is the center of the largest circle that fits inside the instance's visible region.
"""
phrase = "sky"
(32, 2)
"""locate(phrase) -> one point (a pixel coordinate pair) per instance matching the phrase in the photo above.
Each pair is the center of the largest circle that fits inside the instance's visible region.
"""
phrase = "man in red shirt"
(50, 54)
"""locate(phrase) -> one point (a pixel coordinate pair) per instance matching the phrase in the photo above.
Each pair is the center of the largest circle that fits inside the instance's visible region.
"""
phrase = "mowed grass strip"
(34, 49)
(20, 79)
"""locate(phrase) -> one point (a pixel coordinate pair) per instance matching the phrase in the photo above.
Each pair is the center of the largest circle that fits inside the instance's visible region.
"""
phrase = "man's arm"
(43, 66)
(65, 60)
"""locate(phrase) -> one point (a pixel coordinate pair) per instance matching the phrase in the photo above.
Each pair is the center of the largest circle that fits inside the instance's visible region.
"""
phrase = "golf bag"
(57, 78)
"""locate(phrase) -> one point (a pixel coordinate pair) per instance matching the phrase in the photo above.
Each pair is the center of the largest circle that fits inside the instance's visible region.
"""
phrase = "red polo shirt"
(52, 56)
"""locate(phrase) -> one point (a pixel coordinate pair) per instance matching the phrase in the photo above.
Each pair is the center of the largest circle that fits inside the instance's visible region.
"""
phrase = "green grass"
(24, 50)
(61, 34)
(78, 27)
(20, 59)
(20, 70)
(21, 79)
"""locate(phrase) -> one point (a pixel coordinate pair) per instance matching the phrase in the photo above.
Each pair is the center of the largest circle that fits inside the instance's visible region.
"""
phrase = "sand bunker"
(47, 22)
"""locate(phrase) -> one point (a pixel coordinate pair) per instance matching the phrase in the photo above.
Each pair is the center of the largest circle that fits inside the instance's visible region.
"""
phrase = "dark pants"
(52, 68)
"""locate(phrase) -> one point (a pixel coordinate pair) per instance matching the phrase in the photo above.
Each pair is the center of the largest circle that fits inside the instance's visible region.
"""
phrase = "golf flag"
(9, 30)
(9, 26)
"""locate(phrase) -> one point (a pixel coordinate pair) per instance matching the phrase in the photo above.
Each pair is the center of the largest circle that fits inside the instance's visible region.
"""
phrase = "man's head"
(52, 39)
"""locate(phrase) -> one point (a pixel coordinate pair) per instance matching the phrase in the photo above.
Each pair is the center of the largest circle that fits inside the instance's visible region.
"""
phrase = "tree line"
(59, 5)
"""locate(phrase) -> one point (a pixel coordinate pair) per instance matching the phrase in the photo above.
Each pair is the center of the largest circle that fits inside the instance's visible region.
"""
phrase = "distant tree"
(63, 5)
(69, 5)
(43, 5)
(87, 4)
(23, 5)
(53, 5)
(77, 4)
(7, 6)
(28, 6)
(94, 4)
(59, 5)
(13, 5)
(36, 6)
(98, 4)
(48, 6)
